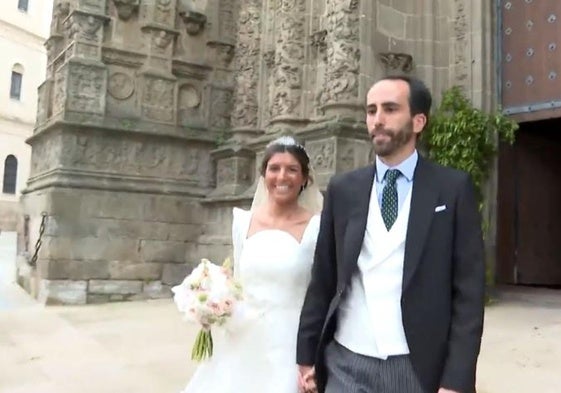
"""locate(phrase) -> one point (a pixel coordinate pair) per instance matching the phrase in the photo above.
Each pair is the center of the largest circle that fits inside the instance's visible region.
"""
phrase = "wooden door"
(529, 219)
(530, 41)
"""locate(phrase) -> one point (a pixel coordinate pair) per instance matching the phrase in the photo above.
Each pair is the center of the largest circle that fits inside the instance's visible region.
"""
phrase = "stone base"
(73, 292)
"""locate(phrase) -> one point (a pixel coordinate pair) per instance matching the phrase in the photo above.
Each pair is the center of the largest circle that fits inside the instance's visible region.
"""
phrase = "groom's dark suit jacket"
(442, 298)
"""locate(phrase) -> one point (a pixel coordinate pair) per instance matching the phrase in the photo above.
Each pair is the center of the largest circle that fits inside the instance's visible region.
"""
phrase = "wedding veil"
(310, 198)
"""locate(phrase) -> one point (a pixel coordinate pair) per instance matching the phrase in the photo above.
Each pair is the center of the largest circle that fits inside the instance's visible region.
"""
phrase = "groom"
(395, 303)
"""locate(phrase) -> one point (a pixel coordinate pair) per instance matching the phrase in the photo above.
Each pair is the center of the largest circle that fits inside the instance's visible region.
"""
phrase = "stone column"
(55, 57)
(234, 160)
(340, 95)
(157, 81)
(288, 63)
(337, 141)
(80, 81)
(220, 49)
(245, 113)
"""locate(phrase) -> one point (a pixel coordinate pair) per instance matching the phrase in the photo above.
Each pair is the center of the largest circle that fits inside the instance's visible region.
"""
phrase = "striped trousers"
(349, 372)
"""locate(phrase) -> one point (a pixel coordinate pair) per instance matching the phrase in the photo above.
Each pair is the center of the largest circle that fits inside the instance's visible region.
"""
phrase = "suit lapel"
(356, 224)
(423, 200)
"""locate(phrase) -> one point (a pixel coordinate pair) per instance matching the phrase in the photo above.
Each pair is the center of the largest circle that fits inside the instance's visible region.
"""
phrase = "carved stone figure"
(126, 8)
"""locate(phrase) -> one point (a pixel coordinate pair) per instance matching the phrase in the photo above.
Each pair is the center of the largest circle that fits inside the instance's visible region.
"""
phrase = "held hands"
(442, 390)
(306, 379)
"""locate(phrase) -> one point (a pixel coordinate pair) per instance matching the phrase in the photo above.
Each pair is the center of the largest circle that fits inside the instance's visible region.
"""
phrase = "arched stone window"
(17, 81)
(10, 175)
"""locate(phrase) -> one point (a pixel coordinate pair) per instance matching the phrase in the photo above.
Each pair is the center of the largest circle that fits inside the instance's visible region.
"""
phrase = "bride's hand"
(306, 379)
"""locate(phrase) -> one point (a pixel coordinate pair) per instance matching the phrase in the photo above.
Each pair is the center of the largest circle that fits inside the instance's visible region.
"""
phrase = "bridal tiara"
(287, 141)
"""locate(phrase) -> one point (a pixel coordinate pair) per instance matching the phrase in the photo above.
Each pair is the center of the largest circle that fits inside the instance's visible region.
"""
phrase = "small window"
(15, 88)
(22, 5)
(10, 175)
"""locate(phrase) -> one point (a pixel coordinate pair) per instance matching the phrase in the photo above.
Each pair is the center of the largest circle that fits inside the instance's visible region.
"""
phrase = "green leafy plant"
(464, 137)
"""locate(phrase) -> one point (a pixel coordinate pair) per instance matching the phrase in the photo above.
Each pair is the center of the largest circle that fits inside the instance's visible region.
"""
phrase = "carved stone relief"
(126, 8)
(220, 108)
(136, 157)
(319, 44)
(244, 169)
(120, 85)
(352, 154)
(221, 53)
(59, 95)
(86, 87)
(194, 21)
(343, 52)
(233, 174)
(82, 26)
(346, 157)
(396, 61)
(189, 105)
(227, 23)
(43, 101)
(163, 12)
(53, 47)
(45, 154)
(289, 58)
(322, 155)
(161, 40)
(60, 12)
(196, 165)
(97, 6)
(245, 111)
(158, 102)
(225, 173)
(189, 96)
(269, 58)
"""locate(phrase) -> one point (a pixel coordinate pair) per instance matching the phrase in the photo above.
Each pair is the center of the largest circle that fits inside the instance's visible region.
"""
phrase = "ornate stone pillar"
(55, 57)
(288, 63)
(340, 94)
(80, 78)
(234, 161)
(245, 112)
(220, 49)
(157, 81)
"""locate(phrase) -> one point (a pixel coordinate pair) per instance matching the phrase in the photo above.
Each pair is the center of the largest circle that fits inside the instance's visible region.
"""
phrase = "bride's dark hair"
(287, 145)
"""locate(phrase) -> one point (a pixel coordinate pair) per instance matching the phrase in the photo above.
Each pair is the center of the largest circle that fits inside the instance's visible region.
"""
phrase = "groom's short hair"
(420, 98)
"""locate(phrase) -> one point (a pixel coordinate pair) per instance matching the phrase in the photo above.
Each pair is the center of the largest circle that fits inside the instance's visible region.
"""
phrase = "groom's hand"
(442, 390)
(306, 379)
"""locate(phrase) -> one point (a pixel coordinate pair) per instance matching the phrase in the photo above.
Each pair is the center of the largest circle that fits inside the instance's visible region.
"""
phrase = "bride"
(274, 245)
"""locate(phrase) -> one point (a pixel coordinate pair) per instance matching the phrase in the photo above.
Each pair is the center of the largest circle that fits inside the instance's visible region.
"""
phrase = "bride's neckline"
(298, 241)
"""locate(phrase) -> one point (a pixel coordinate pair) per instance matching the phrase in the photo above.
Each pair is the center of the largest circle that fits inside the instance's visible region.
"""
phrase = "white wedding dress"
(256, 352)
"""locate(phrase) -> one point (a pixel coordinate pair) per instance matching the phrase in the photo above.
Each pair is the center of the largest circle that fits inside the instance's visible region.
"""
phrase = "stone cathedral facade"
(154, 114)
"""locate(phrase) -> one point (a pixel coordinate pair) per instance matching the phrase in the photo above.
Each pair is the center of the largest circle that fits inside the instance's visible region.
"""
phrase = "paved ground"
(143, 347)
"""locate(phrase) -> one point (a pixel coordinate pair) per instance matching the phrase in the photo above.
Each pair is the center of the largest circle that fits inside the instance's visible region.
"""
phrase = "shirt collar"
(406, 167)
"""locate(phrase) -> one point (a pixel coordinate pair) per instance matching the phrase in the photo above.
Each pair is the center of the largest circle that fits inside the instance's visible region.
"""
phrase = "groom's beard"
(396, 139)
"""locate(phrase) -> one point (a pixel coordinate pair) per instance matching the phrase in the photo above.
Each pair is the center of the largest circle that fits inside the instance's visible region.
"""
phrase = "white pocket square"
(439, 208)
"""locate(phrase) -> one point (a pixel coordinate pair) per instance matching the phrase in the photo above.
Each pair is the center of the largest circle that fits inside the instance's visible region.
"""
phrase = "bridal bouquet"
(207, 297)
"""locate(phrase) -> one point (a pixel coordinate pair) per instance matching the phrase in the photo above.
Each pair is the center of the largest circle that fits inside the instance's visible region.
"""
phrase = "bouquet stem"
(202, 349)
